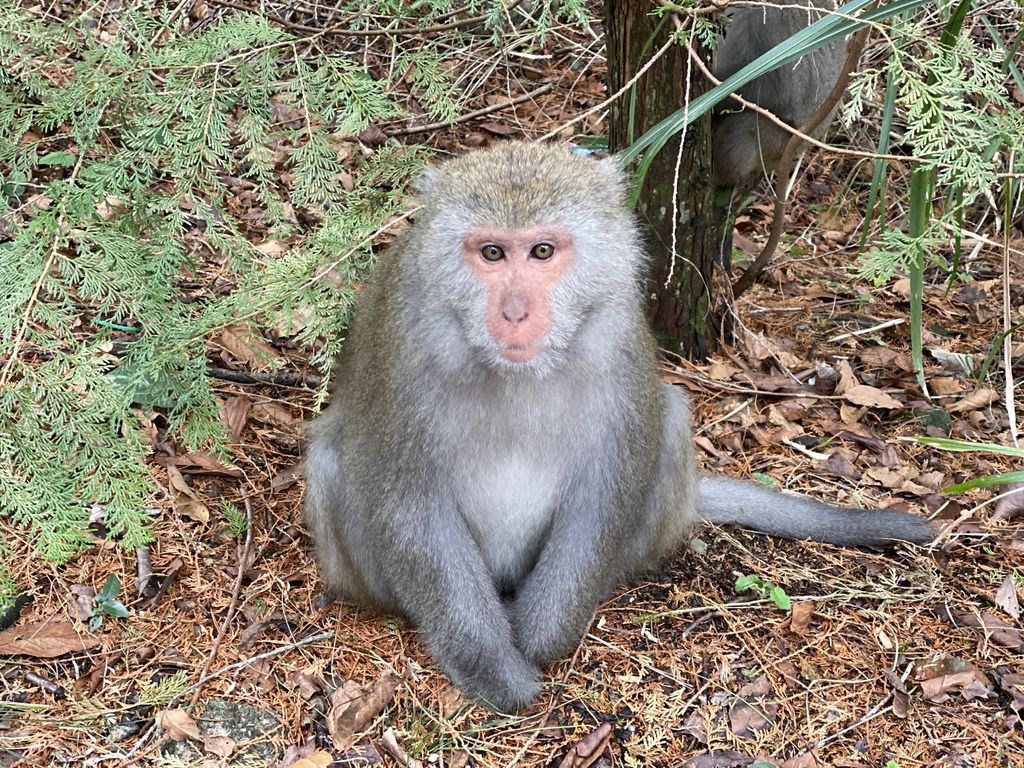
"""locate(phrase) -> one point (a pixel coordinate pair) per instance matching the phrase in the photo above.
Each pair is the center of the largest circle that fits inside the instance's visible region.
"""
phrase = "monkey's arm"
(441, 584)
(725, 500)
(576, 569)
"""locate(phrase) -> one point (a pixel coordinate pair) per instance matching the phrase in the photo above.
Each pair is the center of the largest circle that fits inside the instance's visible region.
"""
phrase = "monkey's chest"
(508, 502)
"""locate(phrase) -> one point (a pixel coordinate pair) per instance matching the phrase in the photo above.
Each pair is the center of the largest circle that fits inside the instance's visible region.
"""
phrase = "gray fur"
(495, 504)
(725, 500)
(747, 146)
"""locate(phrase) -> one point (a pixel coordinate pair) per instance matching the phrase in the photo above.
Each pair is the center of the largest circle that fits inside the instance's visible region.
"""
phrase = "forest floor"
(911, 658)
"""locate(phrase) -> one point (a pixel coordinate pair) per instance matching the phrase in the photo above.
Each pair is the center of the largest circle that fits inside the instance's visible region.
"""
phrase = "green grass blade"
(966, 446)
(922, 188)
(815, 36)
(988, 481)
(922, 181)
(876, 195)
(956, 23)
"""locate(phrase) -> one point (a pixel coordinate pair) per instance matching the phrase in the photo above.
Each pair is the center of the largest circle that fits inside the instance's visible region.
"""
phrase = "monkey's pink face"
(518, 269)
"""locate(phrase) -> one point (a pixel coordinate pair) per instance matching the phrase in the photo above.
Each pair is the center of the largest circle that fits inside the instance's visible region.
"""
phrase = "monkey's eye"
(542, 251)
(492, 253)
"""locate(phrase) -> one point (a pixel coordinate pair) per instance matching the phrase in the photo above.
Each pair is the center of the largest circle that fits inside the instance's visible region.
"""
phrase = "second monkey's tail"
(725, 500)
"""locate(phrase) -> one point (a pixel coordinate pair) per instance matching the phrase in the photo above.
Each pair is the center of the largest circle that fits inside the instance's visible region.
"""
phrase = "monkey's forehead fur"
(518, 184)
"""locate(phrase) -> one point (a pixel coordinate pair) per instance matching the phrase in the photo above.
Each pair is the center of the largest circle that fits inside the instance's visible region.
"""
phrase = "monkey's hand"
(554, 605)
(442, 585)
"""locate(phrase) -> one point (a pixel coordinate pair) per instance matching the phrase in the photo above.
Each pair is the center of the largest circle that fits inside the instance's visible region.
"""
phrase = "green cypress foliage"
(122, 143)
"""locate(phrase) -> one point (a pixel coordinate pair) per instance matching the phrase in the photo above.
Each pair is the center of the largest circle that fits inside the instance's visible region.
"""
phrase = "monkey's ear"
(426, 182)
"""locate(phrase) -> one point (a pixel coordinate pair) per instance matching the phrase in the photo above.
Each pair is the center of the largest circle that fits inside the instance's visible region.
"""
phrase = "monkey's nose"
(514, 309)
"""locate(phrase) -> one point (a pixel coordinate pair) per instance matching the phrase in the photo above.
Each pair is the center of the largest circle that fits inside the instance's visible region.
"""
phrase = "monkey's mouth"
(520, 353)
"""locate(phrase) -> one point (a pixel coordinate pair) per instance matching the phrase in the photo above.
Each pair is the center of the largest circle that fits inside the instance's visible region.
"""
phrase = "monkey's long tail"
(725, 500)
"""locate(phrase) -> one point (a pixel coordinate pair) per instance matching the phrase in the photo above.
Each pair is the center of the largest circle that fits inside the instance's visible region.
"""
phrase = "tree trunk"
(681, 289)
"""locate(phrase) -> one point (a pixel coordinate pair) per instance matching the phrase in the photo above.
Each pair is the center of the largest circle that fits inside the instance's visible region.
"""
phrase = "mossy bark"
(681, 291)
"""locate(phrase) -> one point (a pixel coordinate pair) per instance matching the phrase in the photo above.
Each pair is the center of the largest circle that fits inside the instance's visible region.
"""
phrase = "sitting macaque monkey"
(746, 146)
(500, 451)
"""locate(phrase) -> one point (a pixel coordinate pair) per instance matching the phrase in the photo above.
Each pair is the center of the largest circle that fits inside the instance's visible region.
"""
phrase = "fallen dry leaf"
(319, 759)
(847, 378)
(259, 673)
(721, 371)
(872, 397)
(234, 415)
(766, 382)
(856, 433)
(757, 349)
(246, 346)
(900, 695)
(971, 683)
(997, 630)
(944, 386)
(82, 599)
(177, 724)
(185, 500)
(109, 208)
(706, 445)
(901, 480)
(274, 413)
(451, 700)
(1012, 502)
(720, 758)
(850, 414)
(45, 640)
(363, 753)
(1006, 596)
(177, 481)
(954, 361)
(199, 462)
(143, 569)
(373, 136)
(752, 711)
(886, 357)
(40, 202)
(806, 760)
(839, 465)
(790, 674)
(499, 129)
(977, 399)
(935, 480)
(1013, 685)
(353, 707)
(222, 746)
(303, 680)
(800, 616)
(287, 477)
(291, 322)
(390, 743)
(588, 749)
(695, 727)
(272, 248)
